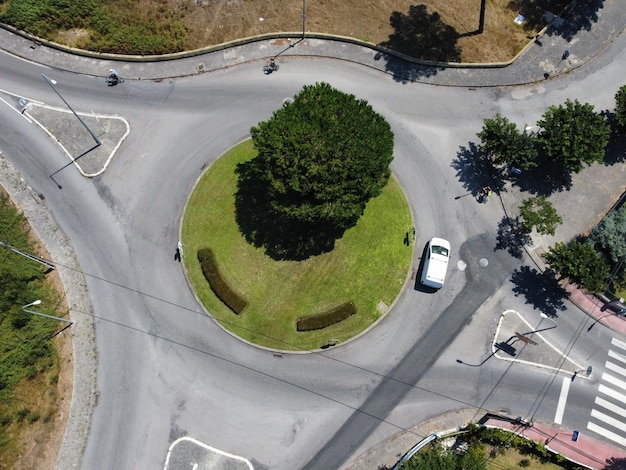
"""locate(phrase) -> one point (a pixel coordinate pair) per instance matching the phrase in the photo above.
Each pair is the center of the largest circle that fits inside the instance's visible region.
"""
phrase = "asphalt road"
(165, 370)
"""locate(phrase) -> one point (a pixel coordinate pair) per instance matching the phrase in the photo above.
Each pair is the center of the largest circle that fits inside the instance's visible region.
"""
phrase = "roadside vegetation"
(479, 448)
(448, 30)
(30, 363)
(541, 159)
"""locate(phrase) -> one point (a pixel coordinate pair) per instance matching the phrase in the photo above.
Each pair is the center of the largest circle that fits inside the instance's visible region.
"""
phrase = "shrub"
(327, 318)
(218, 284)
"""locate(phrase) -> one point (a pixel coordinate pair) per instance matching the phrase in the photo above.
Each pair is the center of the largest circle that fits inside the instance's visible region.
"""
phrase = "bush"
(326, 319)
(218, 284)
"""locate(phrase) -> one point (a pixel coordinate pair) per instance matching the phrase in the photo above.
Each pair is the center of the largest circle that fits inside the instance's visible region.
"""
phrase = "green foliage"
(580, 263)
(610, 235)
(620, 107)
(504, 144)
(218, 284)
(114, 26)
(539, 213)
(25, 339)
(320, 160)
(574, 134)
(326, 319)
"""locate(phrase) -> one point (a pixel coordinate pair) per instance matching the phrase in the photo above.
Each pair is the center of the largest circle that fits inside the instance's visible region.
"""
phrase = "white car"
(436, 263)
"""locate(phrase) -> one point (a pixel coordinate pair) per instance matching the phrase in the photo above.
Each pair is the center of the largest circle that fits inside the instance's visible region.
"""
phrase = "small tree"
(574, 134)
(539, 213)
(504, 144)
(610, 235)
(620, 107)
(579, 263)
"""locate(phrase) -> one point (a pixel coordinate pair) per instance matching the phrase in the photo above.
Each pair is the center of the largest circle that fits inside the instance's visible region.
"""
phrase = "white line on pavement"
(616, 423)
(617, 356)
(560, 408)
(616, 368)
(618, 343)
(618, 410)
(608, 434)
(612, 393)
(614, 380)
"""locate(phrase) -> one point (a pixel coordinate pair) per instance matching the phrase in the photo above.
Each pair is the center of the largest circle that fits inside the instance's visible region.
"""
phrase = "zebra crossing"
(608, 416)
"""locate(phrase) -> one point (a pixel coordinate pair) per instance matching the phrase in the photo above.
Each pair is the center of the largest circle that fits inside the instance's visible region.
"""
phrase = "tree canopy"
(573, 134)
(320, 159)
(610, 235)
(620, 107)
(580, 263)
(504, 144)
(539, 213)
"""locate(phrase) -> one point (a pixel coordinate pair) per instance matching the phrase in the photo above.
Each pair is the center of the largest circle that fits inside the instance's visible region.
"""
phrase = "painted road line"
(614, 380)
(616, 368)
(618, 356)
(618, 410)
(616, 423)
(560, 408)
(612, 393)
(606, 433)
(618, 343)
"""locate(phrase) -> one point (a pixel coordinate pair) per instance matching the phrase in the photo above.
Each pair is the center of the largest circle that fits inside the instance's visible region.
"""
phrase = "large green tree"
(610, 235)
(573, 134)
(539, 213)
(580, 263)
(320, 159)
(504, 144)
(620, 107)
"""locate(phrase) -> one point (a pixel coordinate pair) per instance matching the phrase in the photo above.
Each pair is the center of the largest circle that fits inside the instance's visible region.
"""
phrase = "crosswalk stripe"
(618, 356)
(616, 423)
(616, 368)
(618, 343)
(614, 380)
(618, 410)
(612, 393)
(606, 433)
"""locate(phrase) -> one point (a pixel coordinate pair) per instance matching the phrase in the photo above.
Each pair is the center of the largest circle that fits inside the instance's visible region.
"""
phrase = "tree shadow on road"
(546, 178)
(512, 236)
(422, 36)
(541, 290)
(474, 173)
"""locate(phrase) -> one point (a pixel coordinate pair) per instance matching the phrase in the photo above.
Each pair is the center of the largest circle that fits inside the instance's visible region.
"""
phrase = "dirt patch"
(72, 37)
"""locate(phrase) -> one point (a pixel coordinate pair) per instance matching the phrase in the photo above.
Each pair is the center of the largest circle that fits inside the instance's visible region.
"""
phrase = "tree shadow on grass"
(423, 36)
(512, 236)
(263, 228)
(541, 290)
(573, 16)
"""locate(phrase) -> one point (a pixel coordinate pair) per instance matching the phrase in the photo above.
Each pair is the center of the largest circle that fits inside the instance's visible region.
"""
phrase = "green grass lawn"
(369, 265)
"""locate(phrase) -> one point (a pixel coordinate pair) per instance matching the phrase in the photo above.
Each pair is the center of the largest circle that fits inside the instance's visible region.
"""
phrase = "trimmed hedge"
(218, 284)
(325, 319)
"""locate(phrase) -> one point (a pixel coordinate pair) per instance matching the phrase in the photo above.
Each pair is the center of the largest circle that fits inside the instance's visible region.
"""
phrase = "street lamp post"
(37, 302)
(303, 18)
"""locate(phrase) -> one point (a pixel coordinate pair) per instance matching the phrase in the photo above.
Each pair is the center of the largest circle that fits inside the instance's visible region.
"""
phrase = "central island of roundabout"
(291, 303)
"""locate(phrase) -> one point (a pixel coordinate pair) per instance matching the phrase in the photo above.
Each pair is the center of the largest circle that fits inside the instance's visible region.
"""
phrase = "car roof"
(440, 242)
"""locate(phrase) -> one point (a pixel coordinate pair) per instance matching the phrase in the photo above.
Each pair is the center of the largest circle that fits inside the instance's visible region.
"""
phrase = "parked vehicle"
(436, 263)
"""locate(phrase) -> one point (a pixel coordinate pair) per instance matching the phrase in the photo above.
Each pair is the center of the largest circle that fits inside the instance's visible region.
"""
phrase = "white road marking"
(608, 434)
(560, 408)
(614, 380)
(612, 393)
(616, 423)
(618, 343)
(618, 410)
(617, 356)
(616, 368)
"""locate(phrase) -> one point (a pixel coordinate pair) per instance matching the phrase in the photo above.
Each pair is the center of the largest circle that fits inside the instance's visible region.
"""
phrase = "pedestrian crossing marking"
(616, 423)
(614, 380)
(618, 343)
(618, 410)
(617, 356)
(616, 368)
(612, 393)
(608, 434)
